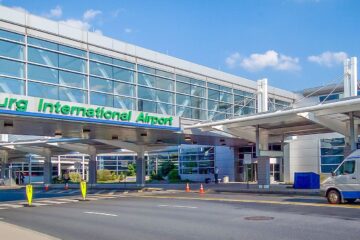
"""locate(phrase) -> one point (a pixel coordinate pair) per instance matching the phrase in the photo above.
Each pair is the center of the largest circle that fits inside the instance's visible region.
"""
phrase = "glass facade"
(332, 154)
(40, 68)
(196, 159)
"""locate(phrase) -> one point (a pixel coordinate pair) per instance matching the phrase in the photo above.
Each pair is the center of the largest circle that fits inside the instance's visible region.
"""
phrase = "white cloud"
(55, 12)
(128, 30)
(328, 58)
(91, 14)
(20, 9)
(259, 61)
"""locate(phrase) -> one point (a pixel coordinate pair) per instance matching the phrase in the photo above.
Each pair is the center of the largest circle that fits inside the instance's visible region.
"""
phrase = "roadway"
(191, 216)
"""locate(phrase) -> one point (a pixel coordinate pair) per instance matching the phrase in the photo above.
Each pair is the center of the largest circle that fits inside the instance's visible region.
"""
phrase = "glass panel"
(182, 78)
(42, 57)
(72, 95)
(348, 167)
(198, 82)
(213, 94)
(183, 88)
(72, 51)
(72, 79)
(225, 89)
(213, 86)
(42, 43)
(11, 36)
(331, 159)
(146, 93)
(226, 97)
(166, 97)
(239, 100)
(213, 106)
(198, 91)
(124, 89)
(166, 109)
(164, 74)
(11, 50)
(146, 106)
(124, 103)
(43, 74)
(103, 85)
(183, 112)
(328, 168)
(10, 85)
(198, 114)
(11, 68)
(146, 80)
(101, 58)
(145, 69)
(43, 90)
(101, 70)
(332, 142)
(332, 151)
(198, 102)
(101, 99)
(225, 107)
(183, 100)
(122, 63)
(165, 84)
(72, 63)
(123, 74)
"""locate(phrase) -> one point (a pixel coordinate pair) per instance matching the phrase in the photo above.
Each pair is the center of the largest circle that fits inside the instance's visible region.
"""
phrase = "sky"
(296, 44)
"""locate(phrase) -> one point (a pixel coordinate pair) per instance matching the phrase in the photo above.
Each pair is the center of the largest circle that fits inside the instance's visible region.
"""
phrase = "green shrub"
(105, 175)
(154, 176)
(131, 169)
(75, 177)
(166, 168)
(173, 175)
(57, 180)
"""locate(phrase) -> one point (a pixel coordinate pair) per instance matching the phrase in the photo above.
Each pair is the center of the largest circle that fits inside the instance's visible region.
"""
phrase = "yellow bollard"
(83, 189)
(29, 194)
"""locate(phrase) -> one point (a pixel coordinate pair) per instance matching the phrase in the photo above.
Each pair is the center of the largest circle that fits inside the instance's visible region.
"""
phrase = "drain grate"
(259, 218)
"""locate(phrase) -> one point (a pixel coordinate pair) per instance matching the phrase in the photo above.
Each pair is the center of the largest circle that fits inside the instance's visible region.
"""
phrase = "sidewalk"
(10, 231)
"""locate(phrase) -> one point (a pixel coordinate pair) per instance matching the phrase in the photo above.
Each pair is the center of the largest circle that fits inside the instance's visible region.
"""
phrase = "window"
(11, 68)
(72, 95)
(102, 99)
(42, 43)
(101, 70)
(72, 63)
(124, 103)
(103, 85)
(43, 90)
(43, 74)
(124, 89)
(10, 85)
(101, 58)
(348, 167)
(183, 88)
(72, 79)
(72, 51)
(11, 50)
(332, 154)
(11, 36)
(145, 69)
(146, 80)
(146, 106)
(213, 94)
(164, 83)
(122, 63)
(123, 74)
(43, 57)
(183, 100)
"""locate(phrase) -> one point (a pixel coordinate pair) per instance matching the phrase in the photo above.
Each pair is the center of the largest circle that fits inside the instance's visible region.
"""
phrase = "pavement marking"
(35, 204)
(11, 205)
(49, 201)
(52, 191)
(99, 192)
(112, 192)
(67, 200)
(104, 214)
(177, 206)
(63, 191)
(74, 191)
(256, 201)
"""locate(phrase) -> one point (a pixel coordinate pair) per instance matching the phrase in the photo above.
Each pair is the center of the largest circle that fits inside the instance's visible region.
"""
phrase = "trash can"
(225, 179)
(306, 180)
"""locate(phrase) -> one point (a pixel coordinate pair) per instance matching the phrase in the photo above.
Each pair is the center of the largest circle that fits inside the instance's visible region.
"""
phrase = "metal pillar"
(262, 95)
(257, 146)
(4, 161)
(140, 169)
(350, 77)
(59, 167)
(352, 135)
(47, 170)
(92, 169)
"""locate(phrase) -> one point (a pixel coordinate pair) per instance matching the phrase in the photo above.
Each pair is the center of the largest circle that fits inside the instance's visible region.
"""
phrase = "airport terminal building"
(64, 88)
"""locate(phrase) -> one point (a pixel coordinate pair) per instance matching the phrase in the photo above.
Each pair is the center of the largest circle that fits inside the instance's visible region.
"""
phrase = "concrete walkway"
(10, 231)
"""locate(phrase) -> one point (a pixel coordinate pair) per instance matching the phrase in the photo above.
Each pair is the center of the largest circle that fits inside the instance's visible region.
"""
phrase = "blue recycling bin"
(306, 180)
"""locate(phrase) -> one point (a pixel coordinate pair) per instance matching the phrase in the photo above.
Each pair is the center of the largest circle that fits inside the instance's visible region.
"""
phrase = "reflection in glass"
(101, 99)
(103, 85)
(43, 74)
(10, 85)
(11, 68)
(124, 103)
(43, 57)
(43, 90)
(72, 79)
(11, 50)
(72, 95)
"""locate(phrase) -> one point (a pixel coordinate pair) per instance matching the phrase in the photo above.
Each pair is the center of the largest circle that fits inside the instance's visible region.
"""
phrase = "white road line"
(104, 214)
(92, 198)
(36, 204)
(54, 202)
(11, 205)
(62, 191)
(74, 191)
(51, 191)
(177, 206)
(67, 200)
(2, 208)
(112, 192)
(99, 192)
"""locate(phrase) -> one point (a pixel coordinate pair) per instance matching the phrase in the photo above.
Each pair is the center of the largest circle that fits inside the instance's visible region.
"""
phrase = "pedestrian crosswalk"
(93, 196)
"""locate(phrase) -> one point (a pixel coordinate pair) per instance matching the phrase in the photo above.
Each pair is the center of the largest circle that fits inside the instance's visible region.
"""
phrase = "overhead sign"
(41, 107)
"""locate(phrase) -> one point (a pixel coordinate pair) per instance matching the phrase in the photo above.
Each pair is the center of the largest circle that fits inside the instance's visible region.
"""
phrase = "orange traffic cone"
(201, 189)
(66, 186)
(187, 187)
(46, 187)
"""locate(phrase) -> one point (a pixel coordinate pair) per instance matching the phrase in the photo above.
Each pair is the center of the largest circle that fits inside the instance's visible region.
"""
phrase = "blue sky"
(296, 44)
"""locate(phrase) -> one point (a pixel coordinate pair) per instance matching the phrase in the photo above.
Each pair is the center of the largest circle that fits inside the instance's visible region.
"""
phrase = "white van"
(344, 184)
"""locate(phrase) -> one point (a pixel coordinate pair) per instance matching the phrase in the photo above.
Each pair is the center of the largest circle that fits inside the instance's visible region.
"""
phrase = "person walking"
(216, 175)
(66, 177)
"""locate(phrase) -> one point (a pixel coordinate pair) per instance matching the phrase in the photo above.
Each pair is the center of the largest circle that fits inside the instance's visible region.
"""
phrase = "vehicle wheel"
(351, 200)
(333, 197)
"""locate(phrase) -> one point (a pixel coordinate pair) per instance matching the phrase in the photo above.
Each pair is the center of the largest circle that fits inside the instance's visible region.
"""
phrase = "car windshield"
(347, 167)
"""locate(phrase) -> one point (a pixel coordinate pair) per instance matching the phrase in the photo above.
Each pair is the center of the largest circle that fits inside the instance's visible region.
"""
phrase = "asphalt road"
(168, 217)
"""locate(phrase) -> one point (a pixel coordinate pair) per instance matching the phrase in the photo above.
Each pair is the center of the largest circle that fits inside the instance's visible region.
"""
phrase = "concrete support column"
(4, 161)
(47, 170)
(92, 169)
(263, 172)
(140, 169)
(352, 135)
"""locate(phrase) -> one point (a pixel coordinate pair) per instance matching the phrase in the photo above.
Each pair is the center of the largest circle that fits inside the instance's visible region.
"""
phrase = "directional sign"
(83, 189)
(29, 193)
